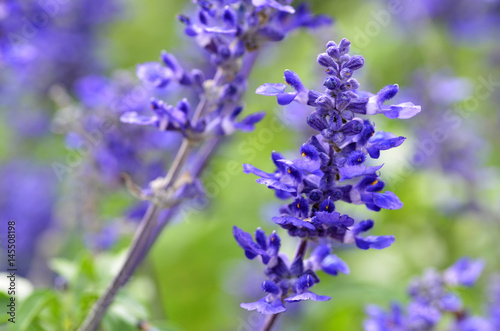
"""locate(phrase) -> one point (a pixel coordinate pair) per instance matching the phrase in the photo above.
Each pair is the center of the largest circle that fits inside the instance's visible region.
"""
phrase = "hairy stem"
(271, 319)
(141, 242)
(145, 235)
(139, 245)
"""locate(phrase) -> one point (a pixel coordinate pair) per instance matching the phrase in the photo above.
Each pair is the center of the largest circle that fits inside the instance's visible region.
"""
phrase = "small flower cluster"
(227, 30)
(117, 148)
(332, 169)
(231, 32)
(431, 300)
(288, 281)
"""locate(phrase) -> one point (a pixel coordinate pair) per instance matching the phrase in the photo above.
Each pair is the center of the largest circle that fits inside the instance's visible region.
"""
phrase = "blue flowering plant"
(333, 168)
(231, 33)
(434, 303)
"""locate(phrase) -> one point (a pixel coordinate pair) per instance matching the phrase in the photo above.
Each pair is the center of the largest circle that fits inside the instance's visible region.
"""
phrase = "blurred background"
(66, 76)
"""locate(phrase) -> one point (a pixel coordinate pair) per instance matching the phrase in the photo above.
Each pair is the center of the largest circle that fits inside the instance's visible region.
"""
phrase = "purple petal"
(294, 81)
(271, 33)
(171, 62)
(250, 169)
(362, 226)
(276, 184)
(374, 242)
(450, 302)
(475, 323)
(153, 73)
(246, 242)
(350, 172)
(134, 118)
(290, 220)
(307, 296)
(332, 265)
(386, 93)
(217, 29)
(423, 313)
(402, 111)
(383, 141)
(387, 200)
(307, 165)
(329, 219)
(248, 123)
(273, 4)
(264, 307)
(321, 252)
(271, 89)
(286, 98)
(464, 272)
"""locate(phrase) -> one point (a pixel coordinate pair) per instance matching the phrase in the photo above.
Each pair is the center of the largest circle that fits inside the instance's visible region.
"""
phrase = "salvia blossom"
(432, 299)
(332, 168)
(116, 148)
(227, 30)
(221, 29)
(231, 32)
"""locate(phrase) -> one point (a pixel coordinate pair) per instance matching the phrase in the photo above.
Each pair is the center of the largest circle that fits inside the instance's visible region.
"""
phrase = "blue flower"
(422, 316)
(374, 242)
(349, 172)
(366, 191)
(284, 180)
(170, 118)
(321, 259)
(153, 73)
(291, 78)
(380, 320)
(273, 4)
(431, 301)
(376, 105)
(304, 18)
(264, 247)
(266, 306)
(382, 141)
(316, 182)
(464, 272)
(474, 323)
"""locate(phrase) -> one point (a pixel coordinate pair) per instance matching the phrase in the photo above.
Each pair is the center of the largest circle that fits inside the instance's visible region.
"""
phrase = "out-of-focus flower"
(56, 42)
(431, 300)
(27, 197)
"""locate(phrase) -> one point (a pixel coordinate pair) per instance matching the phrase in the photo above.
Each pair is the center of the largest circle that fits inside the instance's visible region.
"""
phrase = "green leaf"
(31, 307)
(4, 300)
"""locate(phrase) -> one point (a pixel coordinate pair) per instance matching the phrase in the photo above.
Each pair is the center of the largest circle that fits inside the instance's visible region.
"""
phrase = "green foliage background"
(190, 278)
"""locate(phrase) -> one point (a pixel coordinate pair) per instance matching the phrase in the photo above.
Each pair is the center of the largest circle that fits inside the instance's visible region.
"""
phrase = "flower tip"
(125, 118)
(271, 89)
